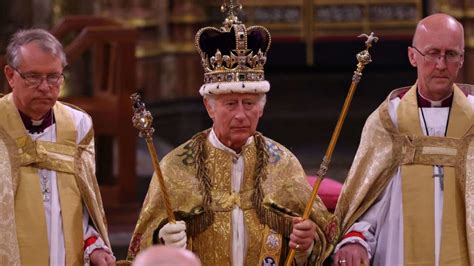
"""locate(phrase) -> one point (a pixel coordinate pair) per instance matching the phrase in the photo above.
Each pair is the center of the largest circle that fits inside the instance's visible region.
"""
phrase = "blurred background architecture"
(117, 47)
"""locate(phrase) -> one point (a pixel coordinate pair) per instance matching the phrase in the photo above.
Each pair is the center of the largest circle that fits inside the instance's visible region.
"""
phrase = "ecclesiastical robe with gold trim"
(399, 148)
(74, 166)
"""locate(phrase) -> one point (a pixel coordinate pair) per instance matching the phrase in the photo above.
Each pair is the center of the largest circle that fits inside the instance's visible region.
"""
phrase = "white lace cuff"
(99, 244)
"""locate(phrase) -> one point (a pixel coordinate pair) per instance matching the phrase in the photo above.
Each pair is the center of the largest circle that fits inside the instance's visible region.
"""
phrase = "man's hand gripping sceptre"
(363, 59)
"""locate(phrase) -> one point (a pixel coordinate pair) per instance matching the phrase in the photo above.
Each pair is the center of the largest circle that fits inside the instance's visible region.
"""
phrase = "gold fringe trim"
(260, 169)
(202, 172)
(273, 219)
(201, 221)
(196, 224)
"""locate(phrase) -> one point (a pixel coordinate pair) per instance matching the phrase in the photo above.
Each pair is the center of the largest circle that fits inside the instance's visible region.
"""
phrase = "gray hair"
(211, 99)
(46, 41)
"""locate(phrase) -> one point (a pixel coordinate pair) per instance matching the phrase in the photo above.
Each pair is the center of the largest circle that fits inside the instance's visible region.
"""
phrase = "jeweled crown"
(233, 53)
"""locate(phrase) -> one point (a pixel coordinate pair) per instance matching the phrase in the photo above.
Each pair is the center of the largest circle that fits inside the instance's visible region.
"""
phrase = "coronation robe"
(59, 165)
(410, 194)
(200, 178)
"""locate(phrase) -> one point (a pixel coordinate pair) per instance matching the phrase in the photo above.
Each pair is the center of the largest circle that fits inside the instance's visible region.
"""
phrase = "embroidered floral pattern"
(272, 242)
(188, 154)
(331, 230)
(274, 152)
(135, 245)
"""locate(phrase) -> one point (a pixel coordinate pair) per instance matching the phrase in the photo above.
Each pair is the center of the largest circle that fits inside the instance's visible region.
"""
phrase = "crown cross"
(240, 57)
(231, 10)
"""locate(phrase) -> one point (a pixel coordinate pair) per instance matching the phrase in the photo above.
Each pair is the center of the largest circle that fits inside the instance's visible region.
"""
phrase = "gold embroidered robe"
(285, 191)
(21, 155)
(383, 149)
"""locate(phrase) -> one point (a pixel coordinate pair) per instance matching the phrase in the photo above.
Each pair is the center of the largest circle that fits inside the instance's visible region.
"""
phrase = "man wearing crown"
(236, 194)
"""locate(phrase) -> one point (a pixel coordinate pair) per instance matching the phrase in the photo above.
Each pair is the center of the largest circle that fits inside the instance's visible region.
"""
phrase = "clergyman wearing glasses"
(51, 210)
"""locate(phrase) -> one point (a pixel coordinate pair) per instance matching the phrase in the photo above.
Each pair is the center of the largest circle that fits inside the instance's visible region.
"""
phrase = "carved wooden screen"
(282, 17)
(352, 17)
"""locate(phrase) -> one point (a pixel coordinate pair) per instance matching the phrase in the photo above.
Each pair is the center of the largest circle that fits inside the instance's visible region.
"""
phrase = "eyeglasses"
(35, 79)
(434, 56)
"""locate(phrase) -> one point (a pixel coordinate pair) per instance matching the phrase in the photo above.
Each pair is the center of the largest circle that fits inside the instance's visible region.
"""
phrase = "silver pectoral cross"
(45, 188)
(439, 172)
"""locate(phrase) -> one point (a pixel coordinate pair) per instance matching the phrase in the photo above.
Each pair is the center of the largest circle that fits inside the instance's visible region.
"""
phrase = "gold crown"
(233, 53)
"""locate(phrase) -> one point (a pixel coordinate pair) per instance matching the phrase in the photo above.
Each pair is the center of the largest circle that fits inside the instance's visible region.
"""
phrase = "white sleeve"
(370, 223)
(89, 231)
(82, 122)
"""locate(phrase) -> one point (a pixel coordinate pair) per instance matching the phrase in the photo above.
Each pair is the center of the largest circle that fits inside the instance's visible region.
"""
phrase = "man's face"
(435, 79)
(34, 100)
(235, 117)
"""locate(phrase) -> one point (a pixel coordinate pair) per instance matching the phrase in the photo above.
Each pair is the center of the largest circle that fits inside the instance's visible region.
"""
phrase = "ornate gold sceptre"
(142, 120)
(363, 58)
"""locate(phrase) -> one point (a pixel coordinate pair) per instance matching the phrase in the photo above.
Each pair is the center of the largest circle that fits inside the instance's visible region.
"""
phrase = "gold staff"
(142, 120)
(363, 58)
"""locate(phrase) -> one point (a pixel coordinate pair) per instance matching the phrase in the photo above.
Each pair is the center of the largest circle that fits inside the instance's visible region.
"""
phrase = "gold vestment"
(205, 201)
(21, 194)
(384, 148)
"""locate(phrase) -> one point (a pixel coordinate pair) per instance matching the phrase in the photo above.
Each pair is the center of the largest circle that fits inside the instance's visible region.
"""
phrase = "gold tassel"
(198, 223)
(276, 221)
(201, 221)
(202, 173)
